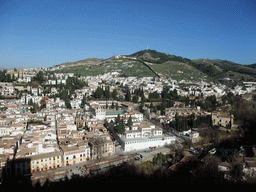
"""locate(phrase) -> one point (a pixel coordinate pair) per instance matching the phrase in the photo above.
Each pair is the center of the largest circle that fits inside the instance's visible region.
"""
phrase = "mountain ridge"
(168, 65)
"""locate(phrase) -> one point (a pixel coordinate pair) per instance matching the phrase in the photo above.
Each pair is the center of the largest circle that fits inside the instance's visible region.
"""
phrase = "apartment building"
(75, 154)
(101, 146)
(37, 163)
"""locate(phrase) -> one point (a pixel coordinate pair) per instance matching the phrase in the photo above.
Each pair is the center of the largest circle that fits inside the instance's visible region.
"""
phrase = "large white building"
(144, 136)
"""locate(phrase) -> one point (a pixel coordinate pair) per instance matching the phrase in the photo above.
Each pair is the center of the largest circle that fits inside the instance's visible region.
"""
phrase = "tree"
(67, 103)
(163, 106)
(165, 91)
(154, 95)
(121, 127)
(129, 124)
(98, 93)
(83, 102)
(13, 77)
(151, 105)
(211, 103)
(30, 102)
(8, 78)
(43, 103)
(191, 120)
(128, 95)
(39, 77)
(107, 92)
(177, 122)
(118, 119)
(142, 102)
(135, 99)
(114, 94)
(35, 108)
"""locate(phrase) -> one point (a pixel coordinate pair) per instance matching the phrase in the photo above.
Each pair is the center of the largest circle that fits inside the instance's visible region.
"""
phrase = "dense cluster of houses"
(53, 143)
(55, 136)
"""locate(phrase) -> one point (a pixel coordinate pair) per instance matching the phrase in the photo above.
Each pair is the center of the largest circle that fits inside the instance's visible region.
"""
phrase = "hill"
(124, 66)
(251, 65)
(88, 61)
(151, 63)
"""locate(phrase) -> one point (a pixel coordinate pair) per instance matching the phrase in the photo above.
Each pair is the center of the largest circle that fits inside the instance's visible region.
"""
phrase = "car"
(212, 151)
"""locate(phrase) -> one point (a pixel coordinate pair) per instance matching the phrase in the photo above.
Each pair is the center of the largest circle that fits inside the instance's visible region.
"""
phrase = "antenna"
(147, 47)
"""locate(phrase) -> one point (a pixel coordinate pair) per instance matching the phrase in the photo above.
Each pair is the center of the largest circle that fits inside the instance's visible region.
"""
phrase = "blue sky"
(49, 32)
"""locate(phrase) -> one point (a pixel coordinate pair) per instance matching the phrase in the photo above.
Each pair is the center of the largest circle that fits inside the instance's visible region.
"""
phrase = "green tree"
(128, 95)
(43, 103)
(165, 91)
(142, 102)
(118, 120)
(39, 77)
(211, 103)
(178, 122)
(67, 103)
(30, 102)
(154, 95)
(163, 106)
(135, 99)
(114, 94)
(121, 127)
(107, 92)
(98, 93)
(8, 78)
(129, 124)
(83, 102)
(13, 77)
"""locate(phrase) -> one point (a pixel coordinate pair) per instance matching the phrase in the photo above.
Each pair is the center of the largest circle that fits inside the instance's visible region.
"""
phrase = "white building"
(144, 136)
(75, 103)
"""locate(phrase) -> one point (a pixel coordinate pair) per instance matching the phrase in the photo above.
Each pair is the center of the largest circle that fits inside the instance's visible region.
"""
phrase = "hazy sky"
(44, 33)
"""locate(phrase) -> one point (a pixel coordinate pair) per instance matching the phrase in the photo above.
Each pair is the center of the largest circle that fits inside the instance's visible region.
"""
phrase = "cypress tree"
(129, 124)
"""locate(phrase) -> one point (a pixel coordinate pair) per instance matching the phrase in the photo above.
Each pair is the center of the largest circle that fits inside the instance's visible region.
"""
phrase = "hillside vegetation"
(125, 67)
(168, 65)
